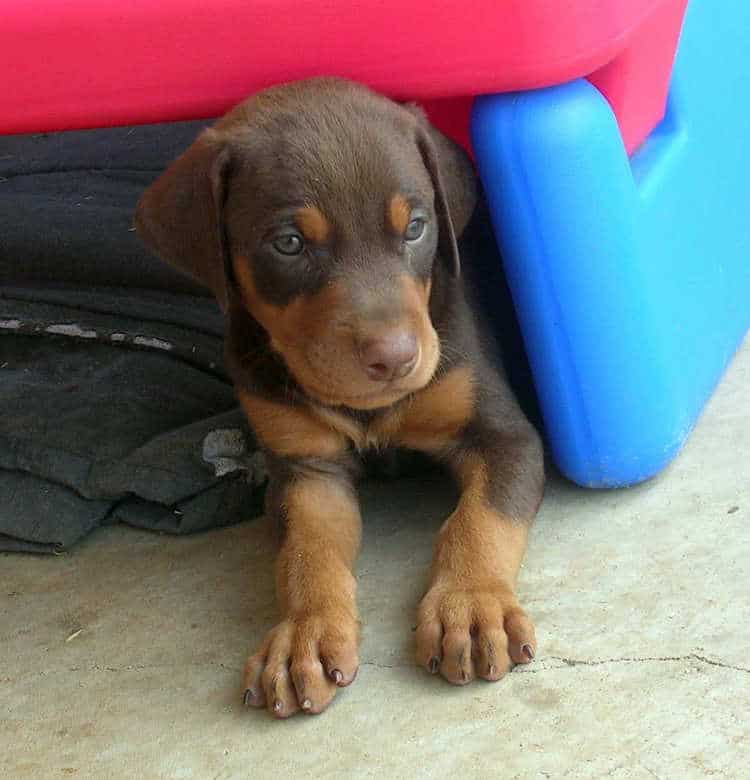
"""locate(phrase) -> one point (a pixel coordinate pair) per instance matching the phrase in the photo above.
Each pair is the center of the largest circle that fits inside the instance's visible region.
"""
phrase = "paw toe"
(281, 698)
(339, 659)
(429, 639)
(457, 666)
(521, 636)
(313, 689)
(491, 647)
(253, 693)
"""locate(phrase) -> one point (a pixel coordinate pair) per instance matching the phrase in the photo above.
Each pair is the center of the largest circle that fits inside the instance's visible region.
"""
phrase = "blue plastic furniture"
(630, 275)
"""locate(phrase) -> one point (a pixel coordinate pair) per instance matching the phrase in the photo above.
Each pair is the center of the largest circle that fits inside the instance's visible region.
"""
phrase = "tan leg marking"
(313, 651)
(470, 623)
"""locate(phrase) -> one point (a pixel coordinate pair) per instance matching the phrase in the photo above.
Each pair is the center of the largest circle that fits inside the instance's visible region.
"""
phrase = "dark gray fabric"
(111, 371)
(67, 203)
(105, 414)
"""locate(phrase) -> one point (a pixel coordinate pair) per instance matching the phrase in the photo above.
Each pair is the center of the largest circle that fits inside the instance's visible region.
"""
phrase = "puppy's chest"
(428, 421)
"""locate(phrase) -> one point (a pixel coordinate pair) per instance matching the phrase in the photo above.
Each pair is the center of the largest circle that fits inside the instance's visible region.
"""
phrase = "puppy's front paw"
(301, 663)
(472, 632)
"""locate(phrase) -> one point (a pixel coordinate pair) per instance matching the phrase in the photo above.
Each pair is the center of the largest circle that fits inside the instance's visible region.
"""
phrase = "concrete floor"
(123, 658)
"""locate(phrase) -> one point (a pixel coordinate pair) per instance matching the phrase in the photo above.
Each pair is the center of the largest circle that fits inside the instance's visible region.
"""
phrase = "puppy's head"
(327, 211)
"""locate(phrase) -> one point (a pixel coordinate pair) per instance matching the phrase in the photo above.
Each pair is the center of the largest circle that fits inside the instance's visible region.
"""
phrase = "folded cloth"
(116, 409)
(67, 202)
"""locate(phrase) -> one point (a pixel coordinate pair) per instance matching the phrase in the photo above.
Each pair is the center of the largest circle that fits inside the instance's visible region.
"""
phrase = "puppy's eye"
(415, 229)
(289, 244)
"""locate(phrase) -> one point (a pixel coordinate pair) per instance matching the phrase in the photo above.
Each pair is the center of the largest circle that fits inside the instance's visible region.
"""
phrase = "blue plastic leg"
(631, 277)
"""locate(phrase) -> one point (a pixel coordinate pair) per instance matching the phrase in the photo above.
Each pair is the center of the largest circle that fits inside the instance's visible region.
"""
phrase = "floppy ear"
(454, 182)
(179, 216)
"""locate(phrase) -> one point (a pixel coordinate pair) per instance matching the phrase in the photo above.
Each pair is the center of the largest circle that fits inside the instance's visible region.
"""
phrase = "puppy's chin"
(378, 399)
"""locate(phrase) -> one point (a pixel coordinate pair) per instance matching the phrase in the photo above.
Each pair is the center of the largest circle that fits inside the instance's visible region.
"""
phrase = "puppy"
(324, 219)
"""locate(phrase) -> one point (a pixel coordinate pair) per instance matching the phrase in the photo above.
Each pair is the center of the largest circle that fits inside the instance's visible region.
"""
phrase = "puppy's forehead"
(330, 144)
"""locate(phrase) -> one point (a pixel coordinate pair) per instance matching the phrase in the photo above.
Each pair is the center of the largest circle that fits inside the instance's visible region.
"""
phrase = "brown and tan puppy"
(324, 218)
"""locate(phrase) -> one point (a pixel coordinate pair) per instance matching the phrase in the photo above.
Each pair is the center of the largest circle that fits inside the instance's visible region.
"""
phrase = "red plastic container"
(90, 63)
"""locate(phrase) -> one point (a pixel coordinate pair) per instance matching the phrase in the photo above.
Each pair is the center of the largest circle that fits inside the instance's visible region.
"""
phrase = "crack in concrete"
(535, 668)
(569, 662)
(388, 666)
(631, 659)
(129, 667)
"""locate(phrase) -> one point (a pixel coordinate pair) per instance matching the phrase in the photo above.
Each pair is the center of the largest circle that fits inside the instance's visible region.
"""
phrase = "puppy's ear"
(179, 216)
(454, 182)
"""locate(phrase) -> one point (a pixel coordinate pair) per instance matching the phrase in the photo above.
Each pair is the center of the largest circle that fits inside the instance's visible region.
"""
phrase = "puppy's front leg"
(470, 623)
(313, 650)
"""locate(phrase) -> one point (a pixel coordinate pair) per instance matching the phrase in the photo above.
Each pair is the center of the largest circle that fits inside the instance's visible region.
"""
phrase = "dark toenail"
(336, 676)
(528, 652)
(248, 696)
(434, 665)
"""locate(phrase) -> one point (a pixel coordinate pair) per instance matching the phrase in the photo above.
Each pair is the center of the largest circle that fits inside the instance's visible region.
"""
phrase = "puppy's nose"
(391, 355)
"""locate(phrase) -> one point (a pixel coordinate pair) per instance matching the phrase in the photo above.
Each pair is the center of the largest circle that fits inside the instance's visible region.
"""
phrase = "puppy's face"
(327, 213)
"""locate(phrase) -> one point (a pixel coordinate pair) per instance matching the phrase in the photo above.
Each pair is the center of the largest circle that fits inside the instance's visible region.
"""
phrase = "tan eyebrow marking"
(313, 224)
(398, 213)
